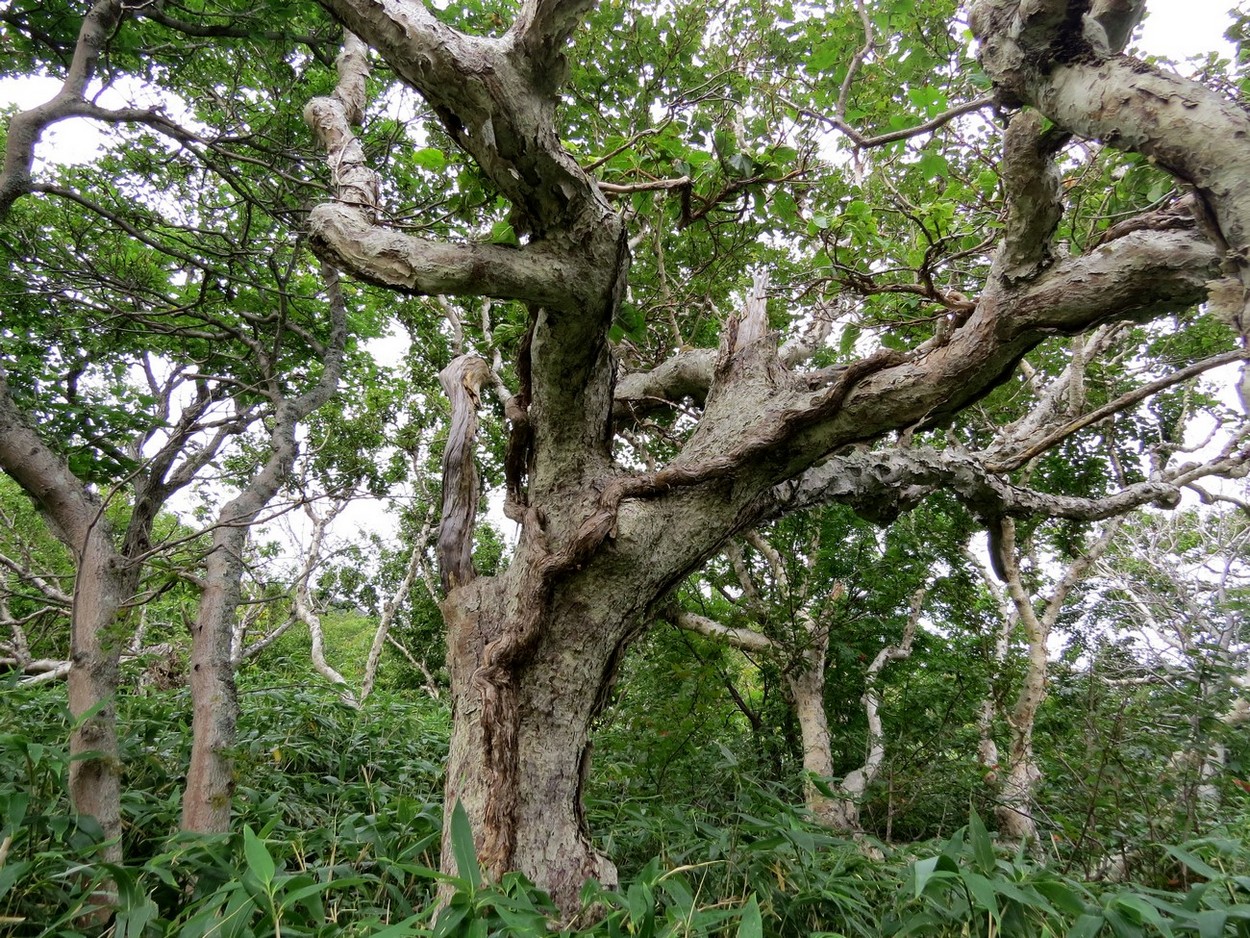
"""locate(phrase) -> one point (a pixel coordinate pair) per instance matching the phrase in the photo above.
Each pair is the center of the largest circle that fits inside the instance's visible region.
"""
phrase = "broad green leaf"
(922, 872)
(430, 158)
(785, 206)
(405, 929)
(982, 846)
(1211, 923)
(502, 232)
(258, 859)
(1061, 895)
(751, 924)
(982, 891)
(1087, 926)
(1193, 862)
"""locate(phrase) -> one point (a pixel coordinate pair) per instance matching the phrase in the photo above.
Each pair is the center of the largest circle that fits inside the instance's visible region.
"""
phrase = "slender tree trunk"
(210, 775)
(807, 687)
(102, 584)
(214, 701)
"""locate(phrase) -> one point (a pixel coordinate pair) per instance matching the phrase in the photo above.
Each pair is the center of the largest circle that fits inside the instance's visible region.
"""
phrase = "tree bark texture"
(462, 383)
(521, 741)
(103, 582)
(807, 686)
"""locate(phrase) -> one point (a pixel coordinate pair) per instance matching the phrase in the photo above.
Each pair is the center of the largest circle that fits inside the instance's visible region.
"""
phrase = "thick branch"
(26, 128)
(538, 274)
(882, 484)
(742, 639)
(1044, 54)
(1032, 183)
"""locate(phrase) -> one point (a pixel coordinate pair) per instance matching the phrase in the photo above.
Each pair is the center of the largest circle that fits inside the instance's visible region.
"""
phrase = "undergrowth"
(338, 826)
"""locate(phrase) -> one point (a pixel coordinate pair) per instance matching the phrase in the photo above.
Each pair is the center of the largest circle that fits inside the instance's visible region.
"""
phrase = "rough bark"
(1047, 54)
(107, 571)
(462, 383)
(807, 687)
(520, 748)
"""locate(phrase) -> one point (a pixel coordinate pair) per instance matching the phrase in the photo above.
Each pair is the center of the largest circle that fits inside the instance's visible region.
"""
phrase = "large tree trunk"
(521, 744)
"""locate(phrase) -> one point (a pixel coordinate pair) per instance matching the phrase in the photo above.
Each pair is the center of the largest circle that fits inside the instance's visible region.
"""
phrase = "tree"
(566, 172)
(143, 338)
(793, 621)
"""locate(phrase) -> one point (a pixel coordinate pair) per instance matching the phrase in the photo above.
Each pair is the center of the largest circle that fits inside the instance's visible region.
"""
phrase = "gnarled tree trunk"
(521, 743)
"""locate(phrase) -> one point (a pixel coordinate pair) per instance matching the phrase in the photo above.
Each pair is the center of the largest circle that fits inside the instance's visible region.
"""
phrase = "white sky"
(1178, 29)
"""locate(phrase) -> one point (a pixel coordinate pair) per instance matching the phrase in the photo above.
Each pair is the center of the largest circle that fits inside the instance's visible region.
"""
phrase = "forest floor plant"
(339, 836)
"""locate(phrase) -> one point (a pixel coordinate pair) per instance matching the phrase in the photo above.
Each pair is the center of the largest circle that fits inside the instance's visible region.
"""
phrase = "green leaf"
(826, 55)
(741, 164)
(934, 166)
(785, 206)
(1211, 923)
(983, 892)
(430, 158)
(450, 918)
(846, 342)
(258, 859)
(1193, 862)
(1062, 895)
(502, 233)
(922, 872)
(462, 846)
(751, 924)
(1142, 910)
(405, 929)
(1087, 926)
(982, 846)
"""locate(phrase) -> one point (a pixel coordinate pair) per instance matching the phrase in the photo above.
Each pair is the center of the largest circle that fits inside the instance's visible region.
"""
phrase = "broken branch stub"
(462, 382)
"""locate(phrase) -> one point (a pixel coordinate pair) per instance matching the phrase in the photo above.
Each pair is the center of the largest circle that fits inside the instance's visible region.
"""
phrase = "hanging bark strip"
(462, 382)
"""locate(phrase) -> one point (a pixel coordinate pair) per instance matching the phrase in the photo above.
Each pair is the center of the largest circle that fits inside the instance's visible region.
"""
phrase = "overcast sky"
(1181, 28)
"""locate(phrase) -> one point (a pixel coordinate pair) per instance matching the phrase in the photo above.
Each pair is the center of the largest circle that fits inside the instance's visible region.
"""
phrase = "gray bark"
(1018, 783)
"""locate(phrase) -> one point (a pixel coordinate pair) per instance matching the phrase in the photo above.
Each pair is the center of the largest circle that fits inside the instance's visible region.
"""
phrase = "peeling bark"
(462, 383)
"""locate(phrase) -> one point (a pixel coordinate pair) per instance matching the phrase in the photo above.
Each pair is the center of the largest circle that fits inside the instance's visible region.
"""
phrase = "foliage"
(340, 836)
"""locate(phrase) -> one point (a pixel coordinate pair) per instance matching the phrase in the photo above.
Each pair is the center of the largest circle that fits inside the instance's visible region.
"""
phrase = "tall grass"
(339, 821)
